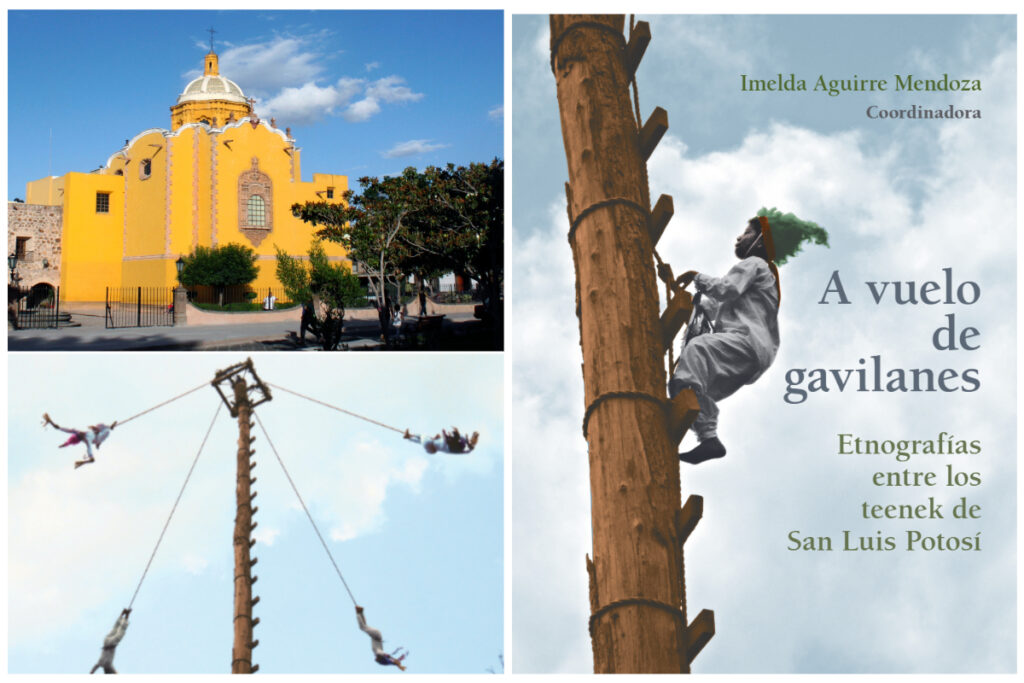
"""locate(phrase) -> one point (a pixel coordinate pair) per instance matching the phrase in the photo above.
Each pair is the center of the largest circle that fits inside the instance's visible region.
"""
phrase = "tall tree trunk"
(637, 597)
(241, 651)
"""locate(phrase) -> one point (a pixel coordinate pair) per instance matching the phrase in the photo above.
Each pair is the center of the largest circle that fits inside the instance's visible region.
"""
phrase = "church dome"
(210, 99)
(212, 88)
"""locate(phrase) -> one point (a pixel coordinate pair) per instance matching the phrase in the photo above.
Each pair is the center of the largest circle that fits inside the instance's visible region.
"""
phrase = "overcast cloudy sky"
(365, 93)
(901, 200)
(417, 537)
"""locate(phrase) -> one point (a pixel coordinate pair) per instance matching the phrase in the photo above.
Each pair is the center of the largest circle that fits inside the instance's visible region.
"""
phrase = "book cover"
(863, 518)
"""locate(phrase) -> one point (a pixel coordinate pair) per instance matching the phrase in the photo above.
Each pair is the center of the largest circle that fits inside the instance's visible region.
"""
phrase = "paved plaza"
(92, 335)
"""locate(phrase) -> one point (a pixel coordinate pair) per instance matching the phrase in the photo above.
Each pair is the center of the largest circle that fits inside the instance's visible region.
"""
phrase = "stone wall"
(41, 224)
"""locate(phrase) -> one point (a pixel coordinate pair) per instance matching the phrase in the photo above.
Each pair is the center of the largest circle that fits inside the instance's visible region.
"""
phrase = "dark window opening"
(102, 202)
(21, 248)
(330, 193)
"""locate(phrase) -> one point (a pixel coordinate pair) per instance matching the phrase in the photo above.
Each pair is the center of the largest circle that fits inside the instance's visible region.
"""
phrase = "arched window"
(255, 203)
(145, 168)
(257, 213)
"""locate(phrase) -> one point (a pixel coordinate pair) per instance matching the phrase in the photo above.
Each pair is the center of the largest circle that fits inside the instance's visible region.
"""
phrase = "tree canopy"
(324, 290)
(223, 266)
(421, 223)
(333, 284)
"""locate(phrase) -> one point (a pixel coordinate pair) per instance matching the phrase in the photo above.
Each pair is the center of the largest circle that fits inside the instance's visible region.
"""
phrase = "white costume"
(376, 638)
(377, 644)
(99, 435)
(110, 644)
(440, 445)
(744, 304)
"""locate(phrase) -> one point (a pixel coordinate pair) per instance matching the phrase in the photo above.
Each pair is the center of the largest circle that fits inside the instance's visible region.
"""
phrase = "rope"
(618, 394)
(675, 611)
(340, 410)
(583, 24)
(601, 205)
(303, 503)
(160, 405)
(175, 506)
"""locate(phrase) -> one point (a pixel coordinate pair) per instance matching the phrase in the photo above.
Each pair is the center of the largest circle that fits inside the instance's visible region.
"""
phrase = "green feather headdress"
(788, 233)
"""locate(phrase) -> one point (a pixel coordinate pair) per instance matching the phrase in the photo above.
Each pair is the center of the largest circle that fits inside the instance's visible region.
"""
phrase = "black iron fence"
(139, 306)
(237, 295)
(36, 307)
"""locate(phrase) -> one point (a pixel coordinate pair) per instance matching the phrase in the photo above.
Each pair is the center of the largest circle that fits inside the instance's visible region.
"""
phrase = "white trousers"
(714, 365)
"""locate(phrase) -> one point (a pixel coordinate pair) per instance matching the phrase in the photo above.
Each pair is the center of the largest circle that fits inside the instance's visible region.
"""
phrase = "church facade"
(221, 175)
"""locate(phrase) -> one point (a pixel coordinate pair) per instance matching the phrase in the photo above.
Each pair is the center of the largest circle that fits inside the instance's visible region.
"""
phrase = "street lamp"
(12, 264)
(180, 295)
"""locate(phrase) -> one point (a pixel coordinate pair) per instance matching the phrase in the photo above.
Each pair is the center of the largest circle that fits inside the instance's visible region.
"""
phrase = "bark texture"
(241, 651)
(636, 574)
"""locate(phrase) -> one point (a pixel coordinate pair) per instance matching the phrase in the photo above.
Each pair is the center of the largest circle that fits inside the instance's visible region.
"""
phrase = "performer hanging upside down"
(110, 643)
(445, 442)
(94, 436)
(377, 643)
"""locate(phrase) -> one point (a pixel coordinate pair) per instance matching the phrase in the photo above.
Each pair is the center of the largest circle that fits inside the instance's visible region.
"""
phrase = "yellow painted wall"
(91, 241)
(146, 217)
(48, 191)
(274, 153)
(183, 187)
(215, 112)
(190, 198)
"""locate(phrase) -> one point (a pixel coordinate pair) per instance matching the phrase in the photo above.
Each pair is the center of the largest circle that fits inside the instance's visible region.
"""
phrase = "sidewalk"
(92, 336)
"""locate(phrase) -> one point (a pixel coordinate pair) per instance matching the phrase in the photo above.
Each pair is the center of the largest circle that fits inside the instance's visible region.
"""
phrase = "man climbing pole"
(745, 337)
(94, 436)
(110, 643)
(377, 643)
(445, 442)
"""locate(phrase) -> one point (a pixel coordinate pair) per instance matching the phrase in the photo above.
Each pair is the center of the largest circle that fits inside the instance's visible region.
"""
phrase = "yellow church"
(220, 175)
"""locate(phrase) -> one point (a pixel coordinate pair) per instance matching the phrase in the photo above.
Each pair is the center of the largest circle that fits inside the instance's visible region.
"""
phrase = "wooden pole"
(241, 651)
(638, 622)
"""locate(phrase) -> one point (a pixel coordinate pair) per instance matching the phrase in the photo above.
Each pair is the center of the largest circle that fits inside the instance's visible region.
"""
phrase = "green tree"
(324, 290)
(463, 230)
(423, 224)
(219, 267)
(369, 225)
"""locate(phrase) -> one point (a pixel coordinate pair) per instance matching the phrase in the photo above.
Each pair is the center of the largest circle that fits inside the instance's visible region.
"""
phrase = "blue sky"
(417, 537)
(901, 200)
(365, 93)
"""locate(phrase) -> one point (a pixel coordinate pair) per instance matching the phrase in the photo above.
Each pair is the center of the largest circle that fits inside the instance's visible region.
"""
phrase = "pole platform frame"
(254, 384)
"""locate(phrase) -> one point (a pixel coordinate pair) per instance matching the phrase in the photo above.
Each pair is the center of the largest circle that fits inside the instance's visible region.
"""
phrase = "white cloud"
(286, 77)
(266, 67)
(266, 536)
(361, 110)
(549, 531)
(81, 538)
(391, 89)
(496, 113)
(412, 148)
(307, 103)
(194, 564)
(888, 221)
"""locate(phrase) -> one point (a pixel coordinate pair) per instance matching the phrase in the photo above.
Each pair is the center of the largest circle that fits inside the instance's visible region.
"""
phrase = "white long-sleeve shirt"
(99, 435)
(745, 301)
